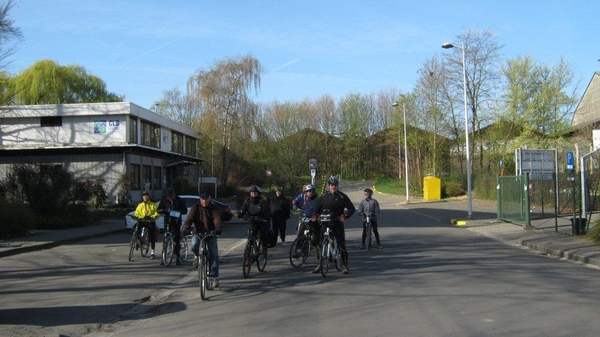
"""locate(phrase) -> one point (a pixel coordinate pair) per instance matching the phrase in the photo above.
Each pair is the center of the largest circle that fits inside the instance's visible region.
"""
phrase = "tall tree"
(8, 34)
(482, 63)
(47, 82)
(224, 91)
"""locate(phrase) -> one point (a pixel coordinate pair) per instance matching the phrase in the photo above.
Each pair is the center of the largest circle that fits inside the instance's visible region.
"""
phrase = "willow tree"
(224, 90)
(47, 82)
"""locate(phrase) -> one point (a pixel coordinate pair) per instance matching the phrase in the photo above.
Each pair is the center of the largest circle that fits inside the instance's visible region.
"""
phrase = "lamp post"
(405, 152)
(448, 45)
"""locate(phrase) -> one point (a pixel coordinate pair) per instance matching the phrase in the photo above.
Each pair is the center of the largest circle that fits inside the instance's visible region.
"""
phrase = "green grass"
(391, 186)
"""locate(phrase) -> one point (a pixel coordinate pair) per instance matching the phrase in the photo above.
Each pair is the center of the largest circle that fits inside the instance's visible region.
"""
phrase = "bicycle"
(184, 252)
(140, 238)
(253, 251)
(204, 280)
(330, 252)
(303, 244)
(370, 235)
(169, 242)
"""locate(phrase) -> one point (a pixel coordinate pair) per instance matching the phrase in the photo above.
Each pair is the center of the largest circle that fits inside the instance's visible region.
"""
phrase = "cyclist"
(172, 202)
(257, 206)
(144, 209)
(309, 210)
(205, 217)
(341, 209)
(298, 201)
(368, 204)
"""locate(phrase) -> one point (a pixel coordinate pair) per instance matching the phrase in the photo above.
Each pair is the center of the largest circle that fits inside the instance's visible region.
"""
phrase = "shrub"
(16, 220)
(452, 189)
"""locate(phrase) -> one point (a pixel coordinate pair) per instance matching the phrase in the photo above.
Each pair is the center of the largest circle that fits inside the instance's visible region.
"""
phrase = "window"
(157, 178)
(150, 135)
(191, 147)
(176, 142)
(135, 174)
(147, 177)
(51, 121)
(133, 130)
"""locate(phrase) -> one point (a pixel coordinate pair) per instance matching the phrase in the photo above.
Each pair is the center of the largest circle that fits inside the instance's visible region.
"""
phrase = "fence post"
(498, 196)
(527, 206)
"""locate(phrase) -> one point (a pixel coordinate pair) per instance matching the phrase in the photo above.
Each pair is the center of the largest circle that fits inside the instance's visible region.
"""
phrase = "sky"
(142, 48)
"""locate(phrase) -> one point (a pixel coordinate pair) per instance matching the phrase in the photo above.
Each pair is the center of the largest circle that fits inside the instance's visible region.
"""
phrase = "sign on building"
(540, 164)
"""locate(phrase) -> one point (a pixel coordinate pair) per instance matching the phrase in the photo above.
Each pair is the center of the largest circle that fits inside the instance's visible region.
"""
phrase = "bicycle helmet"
(333, 180)
(254, 188)
(309, 187)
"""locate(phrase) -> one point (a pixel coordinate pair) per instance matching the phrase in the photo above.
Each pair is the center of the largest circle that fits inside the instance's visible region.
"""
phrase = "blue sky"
(141, 48)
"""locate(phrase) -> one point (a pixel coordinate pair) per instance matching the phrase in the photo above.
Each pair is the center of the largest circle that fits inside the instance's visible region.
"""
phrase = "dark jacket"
(204, 219)
(338, 203)
(310, 206)
(256, 207)
(165, 206)
(280, 207)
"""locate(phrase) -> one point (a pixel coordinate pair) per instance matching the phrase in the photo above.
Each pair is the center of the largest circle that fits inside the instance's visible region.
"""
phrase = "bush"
(595, 231)
(16, 220)
(452, 189)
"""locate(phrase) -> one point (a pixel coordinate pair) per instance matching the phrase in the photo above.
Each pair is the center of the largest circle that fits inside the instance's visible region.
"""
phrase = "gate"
(513, 199)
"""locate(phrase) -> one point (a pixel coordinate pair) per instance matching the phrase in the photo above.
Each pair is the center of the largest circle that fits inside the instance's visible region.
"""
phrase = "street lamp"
(405, 151)
(469, 195)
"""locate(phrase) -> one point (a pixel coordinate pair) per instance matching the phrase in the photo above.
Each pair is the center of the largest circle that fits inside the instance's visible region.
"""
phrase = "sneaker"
(345, 270)
(317, 269)
(195, 262)
(215, 283)
(178, 261)
(363, 247)
(152, 255)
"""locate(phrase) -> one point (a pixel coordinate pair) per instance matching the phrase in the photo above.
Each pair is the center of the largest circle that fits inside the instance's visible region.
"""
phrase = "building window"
(133, 130)
(51, 121)
(157, 178)
(191, 147)
(150, 135)
(147, 177)
(177, 142)
(135, 174)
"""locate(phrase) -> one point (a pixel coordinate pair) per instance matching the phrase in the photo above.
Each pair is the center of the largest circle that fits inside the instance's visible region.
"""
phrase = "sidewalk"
(544, 239)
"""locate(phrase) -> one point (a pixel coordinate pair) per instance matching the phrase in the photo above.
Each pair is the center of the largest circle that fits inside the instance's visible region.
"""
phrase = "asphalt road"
(431, 279)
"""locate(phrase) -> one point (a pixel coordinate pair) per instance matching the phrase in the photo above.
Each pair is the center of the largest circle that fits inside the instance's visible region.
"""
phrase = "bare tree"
(8, 34)
(224, 91)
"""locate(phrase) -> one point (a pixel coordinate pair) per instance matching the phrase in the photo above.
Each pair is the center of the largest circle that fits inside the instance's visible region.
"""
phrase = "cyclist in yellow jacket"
(148, 210)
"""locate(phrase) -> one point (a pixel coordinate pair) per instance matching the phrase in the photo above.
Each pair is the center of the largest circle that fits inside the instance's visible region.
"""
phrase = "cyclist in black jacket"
(172, 202)
(256, 205)
(341, 209)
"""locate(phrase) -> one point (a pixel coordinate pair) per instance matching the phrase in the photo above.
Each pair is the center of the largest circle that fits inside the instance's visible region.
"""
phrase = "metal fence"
(513, 199)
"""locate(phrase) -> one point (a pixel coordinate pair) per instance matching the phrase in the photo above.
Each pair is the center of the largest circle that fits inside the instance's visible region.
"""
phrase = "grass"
(391, 186)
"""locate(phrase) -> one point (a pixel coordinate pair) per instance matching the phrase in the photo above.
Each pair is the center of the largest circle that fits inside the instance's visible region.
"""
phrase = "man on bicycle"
(341, 209)
(172, 202)
(147, 209)
(256, 206)
(205, 217)
(368, 204)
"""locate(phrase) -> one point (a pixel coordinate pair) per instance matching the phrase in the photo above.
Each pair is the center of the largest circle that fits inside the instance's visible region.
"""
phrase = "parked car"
(190, 200)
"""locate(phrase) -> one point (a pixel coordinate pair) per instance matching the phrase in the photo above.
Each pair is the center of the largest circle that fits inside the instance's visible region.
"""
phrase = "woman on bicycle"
(205, 217)
(309, 210)
(257, 206)
(147, 208)
(368, 204)
(172, 202)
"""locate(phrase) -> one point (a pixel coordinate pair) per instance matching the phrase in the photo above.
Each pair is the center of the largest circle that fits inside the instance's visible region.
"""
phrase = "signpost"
(312, 165)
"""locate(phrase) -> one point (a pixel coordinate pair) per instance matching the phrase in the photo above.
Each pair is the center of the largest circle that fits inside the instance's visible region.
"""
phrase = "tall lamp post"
(448, 45)
(405, 151)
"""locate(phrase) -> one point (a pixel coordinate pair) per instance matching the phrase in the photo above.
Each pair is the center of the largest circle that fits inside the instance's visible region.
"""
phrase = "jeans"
(213, 254)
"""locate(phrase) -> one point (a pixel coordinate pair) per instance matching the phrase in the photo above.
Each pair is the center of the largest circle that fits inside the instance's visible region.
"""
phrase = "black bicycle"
(254, 252)
(204, 280)
(303, 244)
(370, 236)
(169, 241)
(140, 238)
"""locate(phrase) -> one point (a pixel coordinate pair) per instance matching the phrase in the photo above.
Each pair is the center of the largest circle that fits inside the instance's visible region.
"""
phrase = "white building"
(101, 140)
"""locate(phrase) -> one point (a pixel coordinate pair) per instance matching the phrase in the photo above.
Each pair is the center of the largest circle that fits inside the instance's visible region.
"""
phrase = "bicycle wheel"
(203, 274)
(337, 259)
(248, 254)
(132, 245)
(261, 259)
(184, 251)
(167, 253)
(299, 251)
(144, 242)
(369, 236)
(325, 254)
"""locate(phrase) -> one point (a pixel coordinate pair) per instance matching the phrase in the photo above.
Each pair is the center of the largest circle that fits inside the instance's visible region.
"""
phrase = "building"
(102, 140)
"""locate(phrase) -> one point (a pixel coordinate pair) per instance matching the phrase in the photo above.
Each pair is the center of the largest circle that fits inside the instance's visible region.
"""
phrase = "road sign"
(570, 162)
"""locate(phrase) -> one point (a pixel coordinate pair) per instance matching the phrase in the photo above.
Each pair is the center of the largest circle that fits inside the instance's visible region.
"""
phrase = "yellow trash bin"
(432, 188)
